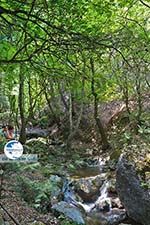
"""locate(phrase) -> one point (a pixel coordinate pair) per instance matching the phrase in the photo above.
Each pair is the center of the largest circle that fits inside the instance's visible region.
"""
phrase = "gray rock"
(135, 198)
(36, 132)
(89, 188)
(69, 211)
(113, 217)
(124, 224)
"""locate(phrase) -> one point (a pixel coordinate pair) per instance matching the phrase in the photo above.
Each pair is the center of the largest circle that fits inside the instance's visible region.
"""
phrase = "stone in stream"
(69, 211)
(124, 224)
(89, 188)
(113, 217)
(133, 196)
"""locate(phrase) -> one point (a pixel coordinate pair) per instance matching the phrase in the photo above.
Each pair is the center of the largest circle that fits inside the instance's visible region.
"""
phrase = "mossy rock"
(115, 154)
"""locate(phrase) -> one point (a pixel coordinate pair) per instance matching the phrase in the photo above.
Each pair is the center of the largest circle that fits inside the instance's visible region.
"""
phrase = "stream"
(89, 197)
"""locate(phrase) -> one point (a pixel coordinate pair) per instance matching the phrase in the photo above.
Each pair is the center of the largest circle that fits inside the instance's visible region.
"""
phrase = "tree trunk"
(51, 109)
(31, 113)
(22, 137)
(139, 100)
(105, 143)
(74, 129)
(62, 97)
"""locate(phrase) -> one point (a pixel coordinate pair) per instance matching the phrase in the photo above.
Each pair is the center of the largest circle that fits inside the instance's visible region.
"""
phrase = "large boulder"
(133, 196)
(70, 211)
(113, 217)
(89, 188)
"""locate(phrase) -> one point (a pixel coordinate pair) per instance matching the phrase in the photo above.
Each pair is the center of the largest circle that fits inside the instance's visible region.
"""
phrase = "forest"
(75, 93)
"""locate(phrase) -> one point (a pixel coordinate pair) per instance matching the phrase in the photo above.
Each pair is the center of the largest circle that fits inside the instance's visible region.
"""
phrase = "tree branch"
(8, 213)
(145, 4)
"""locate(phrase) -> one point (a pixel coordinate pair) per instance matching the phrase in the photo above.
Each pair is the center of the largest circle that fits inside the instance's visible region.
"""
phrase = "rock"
(116, 203)
(115, 154)
(96, 220)
(124, 224)
(36, 132)
(115, 216)
(110, 218)
(69, 211)
(88, 188)
(133, 196)
(112, 186)
(103, 205)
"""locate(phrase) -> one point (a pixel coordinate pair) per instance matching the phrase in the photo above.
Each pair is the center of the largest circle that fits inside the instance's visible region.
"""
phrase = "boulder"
(133, 196)
(124, 224)
(69, 211)
(89, 188)
(37, 132)
(113, 217)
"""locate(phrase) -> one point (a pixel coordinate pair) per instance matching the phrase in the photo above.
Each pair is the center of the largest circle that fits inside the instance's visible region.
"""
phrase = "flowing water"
(100, 209)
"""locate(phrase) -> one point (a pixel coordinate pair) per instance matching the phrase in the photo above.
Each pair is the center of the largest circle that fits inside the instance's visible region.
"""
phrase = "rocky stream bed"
(92, 199)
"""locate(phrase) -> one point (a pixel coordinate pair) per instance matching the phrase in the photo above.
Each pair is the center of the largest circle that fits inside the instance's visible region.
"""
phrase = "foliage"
(46, 76)
(36, 193)
(53, 48)
(65, 221)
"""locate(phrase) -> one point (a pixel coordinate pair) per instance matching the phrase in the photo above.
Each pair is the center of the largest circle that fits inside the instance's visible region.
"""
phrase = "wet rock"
(103, 205)
(133, 196)
(115, 216)
(88, 188)
(116, 203)
(110, 218)
(69, 211)
(115, 154)
(112, 187)
(96, 220)
(124, 224)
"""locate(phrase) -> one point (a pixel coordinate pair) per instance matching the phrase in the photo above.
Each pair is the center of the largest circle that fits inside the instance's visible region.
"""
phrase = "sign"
(13, 149)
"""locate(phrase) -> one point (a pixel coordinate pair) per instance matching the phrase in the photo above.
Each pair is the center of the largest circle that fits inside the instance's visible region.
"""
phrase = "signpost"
(13, 149)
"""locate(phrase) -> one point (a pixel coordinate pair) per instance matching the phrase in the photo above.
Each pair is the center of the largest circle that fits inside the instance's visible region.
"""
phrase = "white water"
(87, 206)
(102, 198)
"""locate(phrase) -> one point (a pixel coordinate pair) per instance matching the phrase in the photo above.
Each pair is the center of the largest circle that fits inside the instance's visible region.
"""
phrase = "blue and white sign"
(13, 149)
